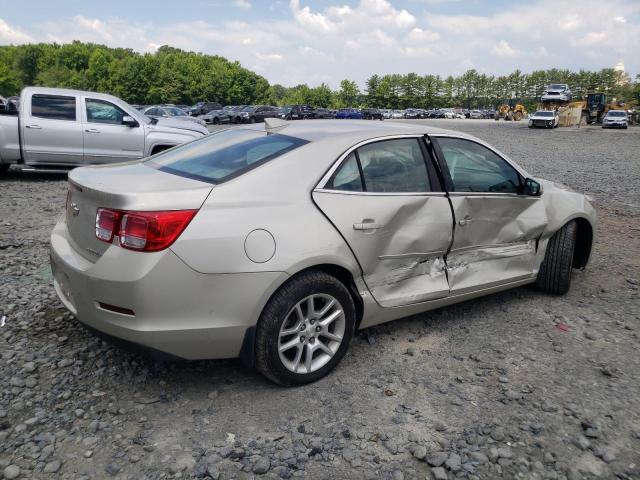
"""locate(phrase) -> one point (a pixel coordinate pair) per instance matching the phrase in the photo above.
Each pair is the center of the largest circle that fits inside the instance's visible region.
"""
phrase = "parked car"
(412, 113)
(173, 254)
(372, 114)
(257, 113)
(167, 111)
(201, 108)
(323, 113)
(57, 129)
(386, 113)
(476, 114)
(216, 117)
(615, 119)
(234, 112)
(557, 92)
(352, 113)
(396, 114)
(298, 112)
(544, 118)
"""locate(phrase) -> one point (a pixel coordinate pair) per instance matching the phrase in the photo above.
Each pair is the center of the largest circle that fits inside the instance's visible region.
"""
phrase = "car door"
(497, 227)
(106, 139)
(52, 131)
(386, 201)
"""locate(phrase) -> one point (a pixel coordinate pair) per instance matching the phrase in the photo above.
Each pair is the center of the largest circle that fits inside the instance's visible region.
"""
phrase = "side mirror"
(129, 121)
(532, 188)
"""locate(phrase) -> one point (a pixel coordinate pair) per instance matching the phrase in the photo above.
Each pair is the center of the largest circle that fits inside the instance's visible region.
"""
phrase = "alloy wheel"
(311, 333)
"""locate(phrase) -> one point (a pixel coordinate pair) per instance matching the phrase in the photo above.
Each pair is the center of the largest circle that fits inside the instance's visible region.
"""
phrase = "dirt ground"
(515, 385)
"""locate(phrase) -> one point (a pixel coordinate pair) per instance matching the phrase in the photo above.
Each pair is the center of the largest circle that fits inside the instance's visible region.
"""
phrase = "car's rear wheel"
(305, 329)
(216, 121)
(555, 272)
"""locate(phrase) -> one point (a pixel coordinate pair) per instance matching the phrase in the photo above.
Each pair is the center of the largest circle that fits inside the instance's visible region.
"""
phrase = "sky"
(314, 41)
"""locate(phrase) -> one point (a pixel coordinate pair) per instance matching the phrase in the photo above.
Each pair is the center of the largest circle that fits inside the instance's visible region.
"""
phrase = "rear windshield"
(225, 155)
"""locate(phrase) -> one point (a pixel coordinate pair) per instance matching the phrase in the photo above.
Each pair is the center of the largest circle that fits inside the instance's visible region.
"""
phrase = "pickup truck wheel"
(4, 167)
(554, 275)
(305, 329)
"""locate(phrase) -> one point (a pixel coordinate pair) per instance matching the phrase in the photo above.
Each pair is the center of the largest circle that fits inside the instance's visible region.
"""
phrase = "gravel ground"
(514, 385)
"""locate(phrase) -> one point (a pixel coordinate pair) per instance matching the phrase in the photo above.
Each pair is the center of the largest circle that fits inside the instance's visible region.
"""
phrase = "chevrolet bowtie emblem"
(75, 211)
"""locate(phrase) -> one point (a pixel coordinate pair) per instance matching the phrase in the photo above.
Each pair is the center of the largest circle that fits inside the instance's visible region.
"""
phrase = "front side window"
(474, 168)
(389, 166)
(101, 111)
(53, 107)
(223, 156)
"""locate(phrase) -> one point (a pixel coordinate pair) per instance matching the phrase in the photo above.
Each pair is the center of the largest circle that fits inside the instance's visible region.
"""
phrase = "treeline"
(171, 75)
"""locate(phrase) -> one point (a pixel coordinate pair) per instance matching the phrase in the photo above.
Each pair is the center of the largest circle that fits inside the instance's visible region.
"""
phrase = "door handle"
(35, 127)
(92, 130)
(367, 224)
(464, 222)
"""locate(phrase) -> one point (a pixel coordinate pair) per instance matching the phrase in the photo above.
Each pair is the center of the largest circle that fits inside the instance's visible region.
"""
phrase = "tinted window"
(474, 168)
(54, 107)
(394, 166)
(223, 156)
(387, 166)
(99, 111)
(348, 176)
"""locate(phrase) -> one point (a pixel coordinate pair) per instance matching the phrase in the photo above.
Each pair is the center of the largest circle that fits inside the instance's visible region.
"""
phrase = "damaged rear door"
(386, 201)
(497, 227)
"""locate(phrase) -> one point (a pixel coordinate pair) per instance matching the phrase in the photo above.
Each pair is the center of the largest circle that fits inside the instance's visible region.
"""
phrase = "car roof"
(354, 131)
(68, 91)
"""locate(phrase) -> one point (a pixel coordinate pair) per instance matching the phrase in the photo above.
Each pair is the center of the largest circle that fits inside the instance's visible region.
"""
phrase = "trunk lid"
(132, 186)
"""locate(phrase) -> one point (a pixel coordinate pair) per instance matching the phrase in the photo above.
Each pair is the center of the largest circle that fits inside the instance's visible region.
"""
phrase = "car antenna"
(273, 125)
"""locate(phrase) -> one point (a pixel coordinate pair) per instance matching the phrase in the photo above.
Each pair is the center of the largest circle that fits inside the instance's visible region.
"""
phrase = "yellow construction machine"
(512, 109)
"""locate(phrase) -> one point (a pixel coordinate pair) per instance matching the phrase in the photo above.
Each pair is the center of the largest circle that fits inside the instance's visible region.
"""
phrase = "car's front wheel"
(554, 275)
(305, 329)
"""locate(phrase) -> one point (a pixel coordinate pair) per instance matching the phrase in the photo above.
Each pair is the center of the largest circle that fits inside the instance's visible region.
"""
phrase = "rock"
(16, 382)
(348, 454)
(505, 452)
(439, 473)
(503, 379)
(590, 335)
(213, 471)
(112, 469)
(453, 462)
(420, 452)
(411, 351)
(11, 472)
(497, 434)
(479, 457)
(581, 442)
(262, 466)
(90, 441)
(435, 459)
(52, 467)
(29, 367)
(397, 475)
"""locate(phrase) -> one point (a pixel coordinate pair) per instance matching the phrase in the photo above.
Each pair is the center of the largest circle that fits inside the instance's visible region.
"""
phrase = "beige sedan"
(276, 244)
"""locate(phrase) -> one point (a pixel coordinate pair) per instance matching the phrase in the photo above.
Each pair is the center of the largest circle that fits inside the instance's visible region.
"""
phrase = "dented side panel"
(495, 240)
(402, 258)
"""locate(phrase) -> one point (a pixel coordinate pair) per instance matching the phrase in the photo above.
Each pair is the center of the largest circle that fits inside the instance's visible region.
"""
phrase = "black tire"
(555, 272)
(267, 359)
(4, 167)
(216, 121)
(252, 120)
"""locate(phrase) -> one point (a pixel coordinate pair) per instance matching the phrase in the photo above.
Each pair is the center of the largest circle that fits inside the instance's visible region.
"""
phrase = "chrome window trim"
(327, 176)
(381, 194)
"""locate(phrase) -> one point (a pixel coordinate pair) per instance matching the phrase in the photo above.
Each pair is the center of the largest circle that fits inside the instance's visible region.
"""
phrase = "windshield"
(557, 86)
(223, 156)
(175, 112)
(248, 108)
(544, 114)
(617, 114)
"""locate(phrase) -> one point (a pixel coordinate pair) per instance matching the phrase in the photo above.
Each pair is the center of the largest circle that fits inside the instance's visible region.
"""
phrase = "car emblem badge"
(75, 211)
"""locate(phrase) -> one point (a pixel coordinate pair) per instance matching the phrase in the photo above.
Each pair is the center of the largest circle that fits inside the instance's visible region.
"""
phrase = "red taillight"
(142, 231)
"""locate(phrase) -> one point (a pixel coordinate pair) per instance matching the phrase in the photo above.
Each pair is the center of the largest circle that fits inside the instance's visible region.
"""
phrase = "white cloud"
(9, 34)
(245, 4)
(503, 49)
(270, 57)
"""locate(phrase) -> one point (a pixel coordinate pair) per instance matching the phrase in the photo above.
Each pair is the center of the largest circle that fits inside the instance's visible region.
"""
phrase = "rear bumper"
(176, 310)
(614, 125)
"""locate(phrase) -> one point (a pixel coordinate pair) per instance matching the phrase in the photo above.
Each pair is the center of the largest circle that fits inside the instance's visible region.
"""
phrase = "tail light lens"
(142, 231)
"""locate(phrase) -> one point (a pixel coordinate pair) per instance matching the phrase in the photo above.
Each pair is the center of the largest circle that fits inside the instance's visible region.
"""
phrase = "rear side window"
(389, 166)
(223, 156)
(53, 107)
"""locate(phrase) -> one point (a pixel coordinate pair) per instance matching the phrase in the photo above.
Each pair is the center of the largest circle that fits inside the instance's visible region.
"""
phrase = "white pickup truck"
(57, 129)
